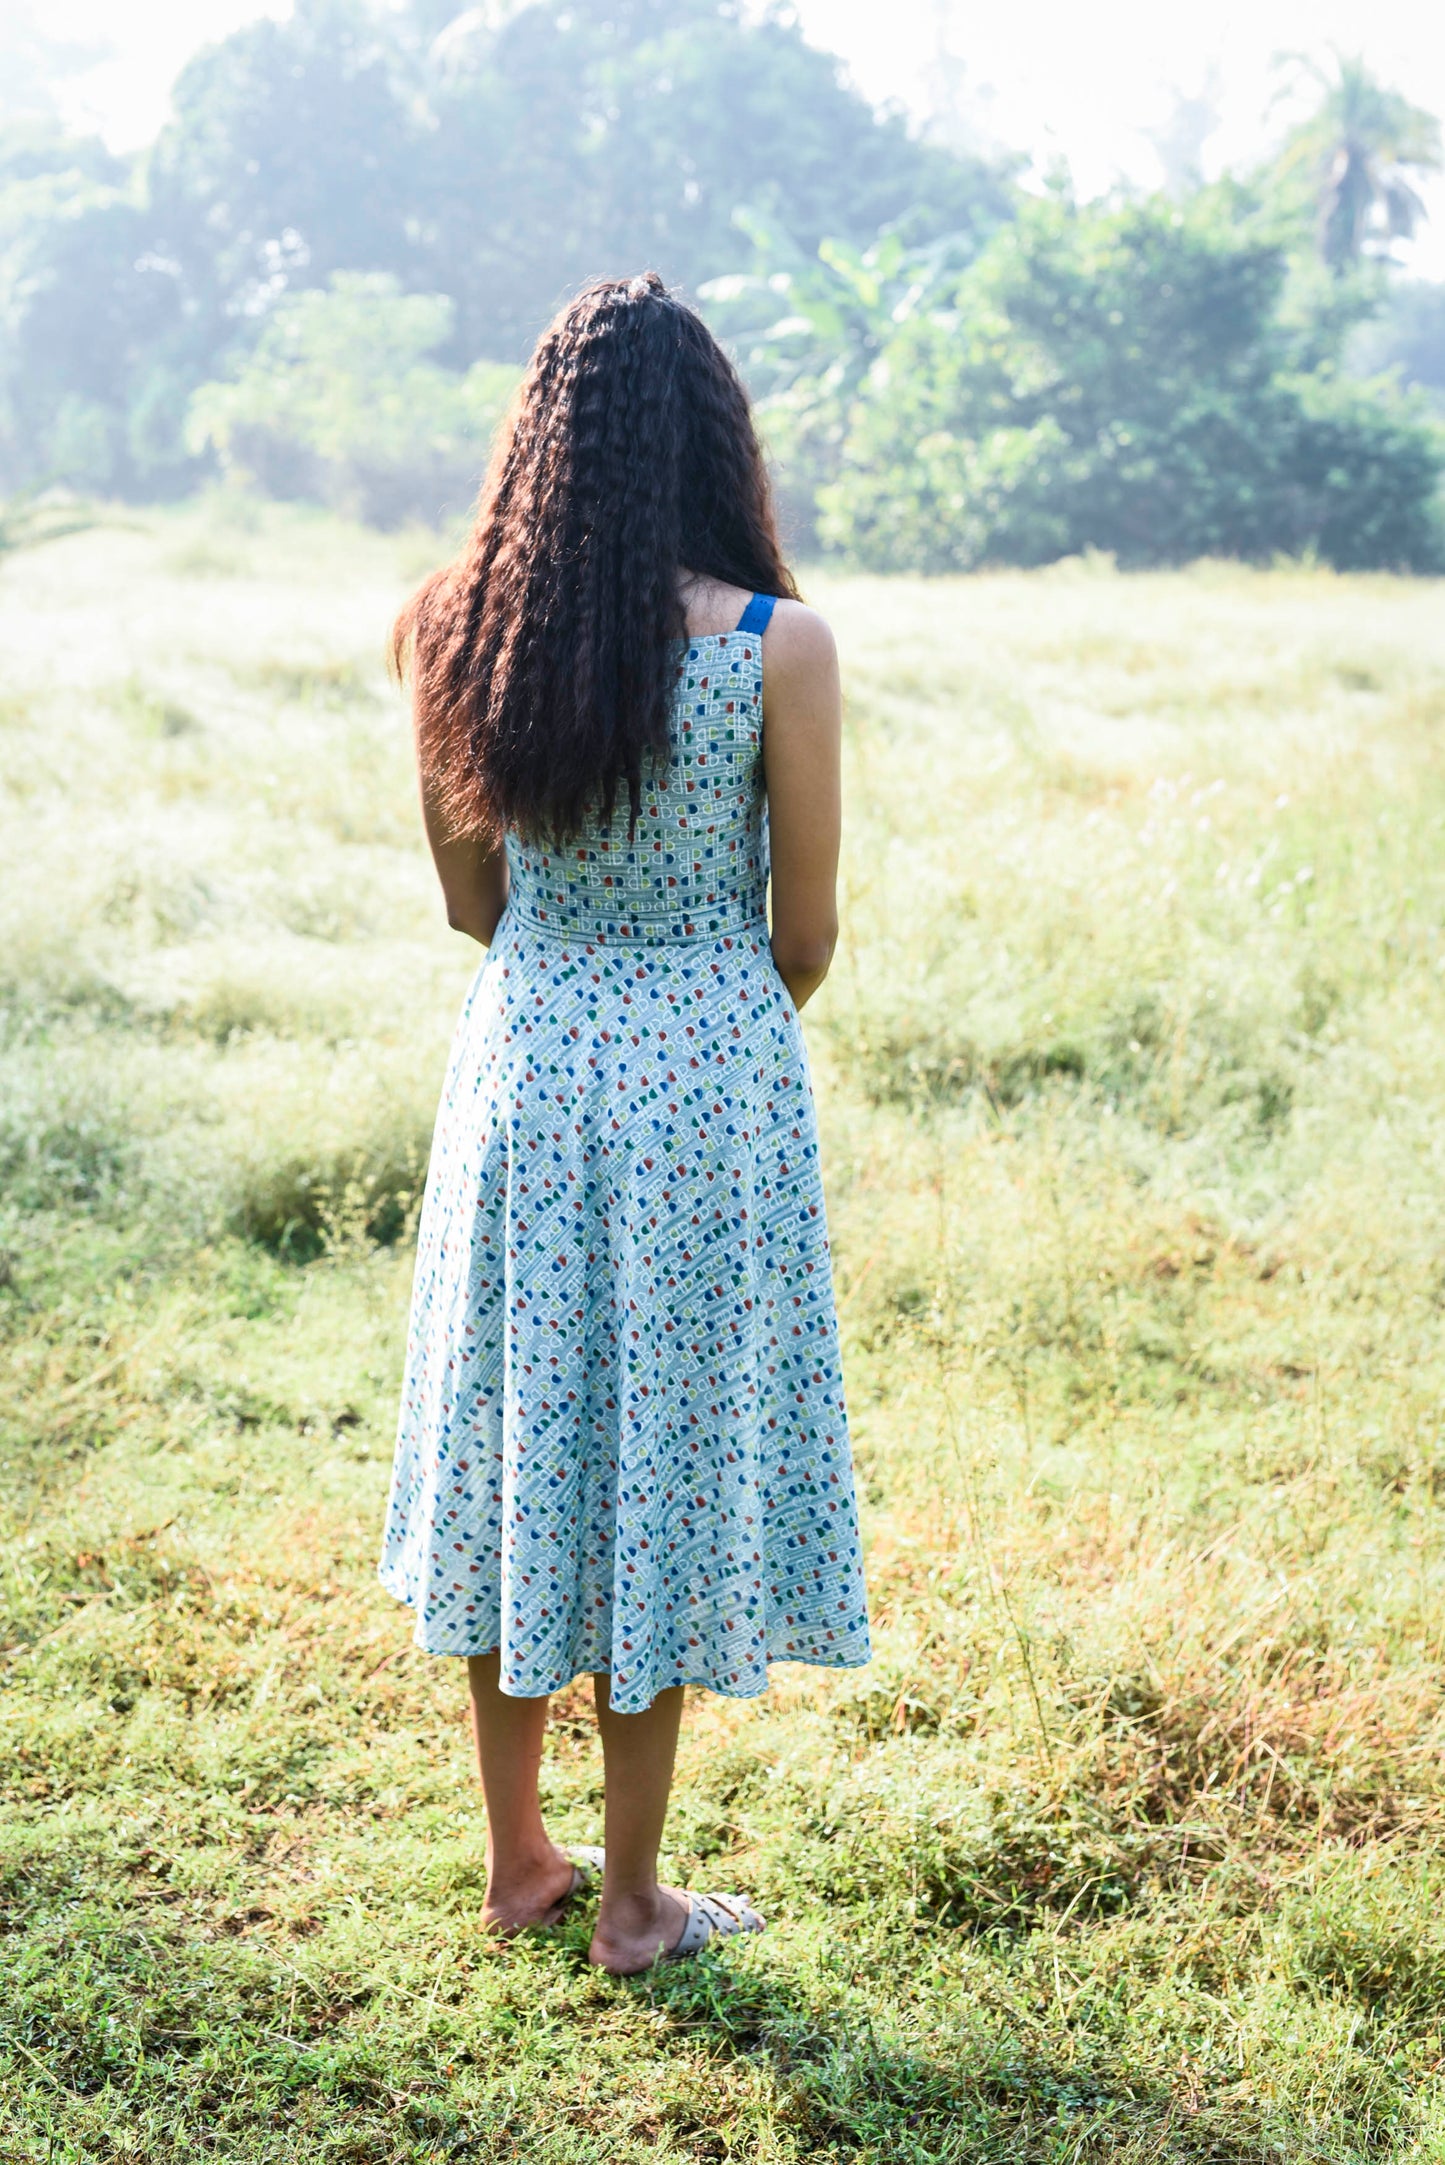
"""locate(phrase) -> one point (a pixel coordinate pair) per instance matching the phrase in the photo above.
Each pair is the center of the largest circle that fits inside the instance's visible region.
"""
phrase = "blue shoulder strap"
(758, 614)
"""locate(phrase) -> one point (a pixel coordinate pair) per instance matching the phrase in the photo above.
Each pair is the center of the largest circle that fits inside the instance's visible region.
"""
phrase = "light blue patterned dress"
(623, 1444)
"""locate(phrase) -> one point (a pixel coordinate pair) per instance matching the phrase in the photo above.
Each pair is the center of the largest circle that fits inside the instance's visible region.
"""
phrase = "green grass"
(1130, 1843)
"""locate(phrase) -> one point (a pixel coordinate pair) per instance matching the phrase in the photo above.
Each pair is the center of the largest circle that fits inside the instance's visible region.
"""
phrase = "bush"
(338, 404)
(1359, 479)
(1124, 379)
(1407, 336)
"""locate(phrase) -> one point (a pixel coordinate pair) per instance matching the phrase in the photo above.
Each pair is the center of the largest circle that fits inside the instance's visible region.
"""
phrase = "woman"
(623, 1446)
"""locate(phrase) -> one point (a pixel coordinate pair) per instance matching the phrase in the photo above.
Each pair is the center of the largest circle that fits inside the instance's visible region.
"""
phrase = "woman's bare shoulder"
(798, 641)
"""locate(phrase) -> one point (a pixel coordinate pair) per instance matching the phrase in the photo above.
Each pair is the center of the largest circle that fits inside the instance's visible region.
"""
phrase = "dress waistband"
(636, 932)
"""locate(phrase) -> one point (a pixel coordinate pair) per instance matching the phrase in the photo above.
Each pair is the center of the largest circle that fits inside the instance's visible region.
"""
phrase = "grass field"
(1131, 1843)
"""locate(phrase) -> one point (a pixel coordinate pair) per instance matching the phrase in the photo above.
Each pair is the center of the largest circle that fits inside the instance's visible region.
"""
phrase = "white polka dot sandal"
(712, 1916)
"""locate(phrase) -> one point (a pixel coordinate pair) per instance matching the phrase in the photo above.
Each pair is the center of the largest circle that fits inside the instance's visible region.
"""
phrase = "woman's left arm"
(802, 761)
(472, 869)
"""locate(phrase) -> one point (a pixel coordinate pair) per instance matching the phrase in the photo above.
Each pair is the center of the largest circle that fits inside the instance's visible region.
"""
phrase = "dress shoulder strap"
(758, 614)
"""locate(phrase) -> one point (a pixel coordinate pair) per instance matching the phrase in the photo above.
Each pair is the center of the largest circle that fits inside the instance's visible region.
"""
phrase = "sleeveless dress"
(623, 1444)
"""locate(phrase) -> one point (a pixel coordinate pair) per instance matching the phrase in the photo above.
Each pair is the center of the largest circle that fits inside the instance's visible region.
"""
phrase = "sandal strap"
(709, 1916)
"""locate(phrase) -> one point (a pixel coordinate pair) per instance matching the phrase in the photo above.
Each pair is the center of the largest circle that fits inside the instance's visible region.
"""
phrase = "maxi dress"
(623, 1444)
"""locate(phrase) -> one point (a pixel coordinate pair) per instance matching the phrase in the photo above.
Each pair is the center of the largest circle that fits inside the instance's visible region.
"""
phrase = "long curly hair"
(545, 660)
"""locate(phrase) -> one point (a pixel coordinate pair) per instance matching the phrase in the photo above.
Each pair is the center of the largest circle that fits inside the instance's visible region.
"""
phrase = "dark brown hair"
(545, 659)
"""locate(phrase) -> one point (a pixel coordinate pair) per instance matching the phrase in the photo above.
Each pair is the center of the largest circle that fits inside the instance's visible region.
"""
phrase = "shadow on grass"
(120, 2026)
(974, 2098)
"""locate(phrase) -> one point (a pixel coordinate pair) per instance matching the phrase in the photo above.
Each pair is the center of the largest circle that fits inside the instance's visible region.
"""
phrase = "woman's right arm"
(472, 869)
(802, 769)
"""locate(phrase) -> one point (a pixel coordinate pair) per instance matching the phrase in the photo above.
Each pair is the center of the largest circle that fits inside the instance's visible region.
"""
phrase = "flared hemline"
(770, 1661)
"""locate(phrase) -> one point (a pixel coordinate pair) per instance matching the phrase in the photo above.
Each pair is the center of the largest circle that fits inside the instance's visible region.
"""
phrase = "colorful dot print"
(623, 1444)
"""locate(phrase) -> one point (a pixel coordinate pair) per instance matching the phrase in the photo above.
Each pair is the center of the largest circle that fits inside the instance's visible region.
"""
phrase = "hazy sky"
(1089, 85)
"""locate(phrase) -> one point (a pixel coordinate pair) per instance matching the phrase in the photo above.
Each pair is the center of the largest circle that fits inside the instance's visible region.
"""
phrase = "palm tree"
(1361, 154)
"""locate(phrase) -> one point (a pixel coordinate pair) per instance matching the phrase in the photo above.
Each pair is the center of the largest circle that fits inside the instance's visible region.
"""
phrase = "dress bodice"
(696, 866)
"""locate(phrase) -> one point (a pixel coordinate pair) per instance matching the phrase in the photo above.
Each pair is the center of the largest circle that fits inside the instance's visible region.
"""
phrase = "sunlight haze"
(1092, 89)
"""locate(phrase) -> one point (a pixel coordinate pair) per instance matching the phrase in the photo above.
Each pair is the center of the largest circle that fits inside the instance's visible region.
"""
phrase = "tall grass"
(1129, 1844)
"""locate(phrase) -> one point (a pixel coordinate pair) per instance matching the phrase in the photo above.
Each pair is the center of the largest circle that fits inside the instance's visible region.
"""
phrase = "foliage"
(498, 162)
(1124, 379)
(628, 134)
(921, 405)
(1407, 335)
(101, 337)
(1130, 1844)
(806, 332)
(337, 402)
(1357, 162)
(291, 154)
(1362, 479)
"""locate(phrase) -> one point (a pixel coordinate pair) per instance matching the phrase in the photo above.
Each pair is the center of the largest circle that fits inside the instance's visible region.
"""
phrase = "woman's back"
(695, 864)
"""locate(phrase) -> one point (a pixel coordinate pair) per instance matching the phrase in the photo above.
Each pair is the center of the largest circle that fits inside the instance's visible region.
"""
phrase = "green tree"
(1357, 162)
(498, 162)
(503, 162)
(340, 403)
(807, 330)
(587, 136)
(1125, 379)
(98, 331)
(292, 153)
(1406, 336)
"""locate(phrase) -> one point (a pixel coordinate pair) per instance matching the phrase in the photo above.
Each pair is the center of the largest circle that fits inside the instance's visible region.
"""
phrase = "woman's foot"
(632, 1930)
(532, 1892)
(666, 1926)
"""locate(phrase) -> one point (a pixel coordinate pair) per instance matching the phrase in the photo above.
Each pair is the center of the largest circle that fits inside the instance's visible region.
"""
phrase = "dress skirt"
(623, 1444)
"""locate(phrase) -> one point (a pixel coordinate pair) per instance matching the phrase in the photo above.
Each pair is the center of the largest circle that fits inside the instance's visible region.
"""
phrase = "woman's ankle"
(522, 1864)
(631, 1933)
(631, 1907)
(534, 1892)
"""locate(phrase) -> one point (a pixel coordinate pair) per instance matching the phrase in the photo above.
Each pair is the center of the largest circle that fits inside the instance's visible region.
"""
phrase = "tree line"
(324, 272)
